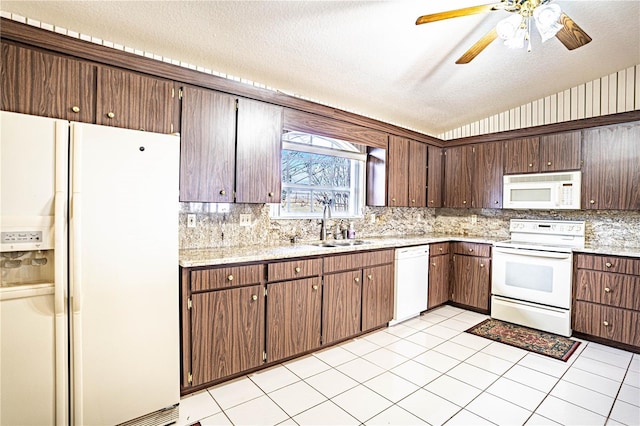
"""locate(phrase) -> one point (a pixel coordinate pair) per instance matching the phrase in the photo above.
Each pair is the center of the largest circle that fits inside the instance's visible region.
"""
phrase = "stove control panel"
(548, 227)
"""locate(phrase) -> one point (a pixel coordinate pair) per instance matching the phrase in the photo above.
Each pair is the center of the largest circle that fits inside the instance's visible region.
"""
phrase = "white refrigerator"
(89, 221)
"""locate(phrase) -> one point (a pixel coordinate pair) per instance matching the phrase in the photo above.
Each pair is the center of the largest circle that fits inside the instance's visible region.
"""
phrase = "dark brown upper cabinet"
(38, 83)
(398, 160)
(258, 152)
(435, 172)
(611, 171)
(458, 171)
(548, 153)
(207, 146)
(417, 174)
(487, 176)
(134, 101)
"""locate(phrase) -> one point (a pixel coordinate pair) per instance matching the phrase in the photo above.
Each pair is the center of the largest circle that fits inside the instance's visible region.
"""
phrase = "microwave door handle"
(532, 253)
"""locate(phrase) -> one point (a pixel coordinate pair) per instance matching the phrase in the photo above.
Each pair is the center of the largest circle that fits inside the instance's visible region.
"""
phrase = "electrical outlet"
(191, 221)
(474, 219)
(245, 219)
(372, 218)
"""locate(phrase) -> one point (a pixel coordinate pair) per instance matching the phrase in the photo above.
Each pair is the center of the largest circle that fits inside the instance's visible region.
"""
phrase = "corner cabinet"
(470, 277)
(607, 298)
(258, 158)
(611, 171)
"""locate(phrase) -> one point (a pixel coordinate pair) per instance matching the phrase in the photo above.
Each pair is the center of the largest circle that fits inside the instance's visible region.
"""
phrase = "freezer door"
(124, 273)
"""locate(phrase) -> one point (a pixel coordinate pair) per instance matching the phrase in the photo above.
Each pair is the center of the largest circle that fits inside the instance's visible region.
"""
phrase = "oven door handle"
(532, 253)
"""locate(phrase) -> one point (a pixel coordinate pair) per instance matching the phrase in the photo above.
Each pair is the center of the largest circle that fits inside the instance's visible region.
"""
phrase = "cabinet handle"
(297, 269)
(608, 265)
(75, 109)
(393, 199)
(548, 163)
(592, 201)
(530, 164)
(605, 323)
(482, 265)
(470, 250)
(270, 194)
(496, 202)
(413, 201)
(315, 287)
(370, 276)
(464, 202)
(431, 201)
(357, 279)
(433, 264)
(230, 277)
(440, 248)
(254, 297)
(607, 290)
(110, 114)
(223, 192)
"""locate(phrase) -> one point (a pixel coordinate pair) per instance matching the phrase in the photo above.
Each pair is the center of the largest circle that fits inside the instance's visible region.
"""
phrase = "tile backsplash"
(222, 229)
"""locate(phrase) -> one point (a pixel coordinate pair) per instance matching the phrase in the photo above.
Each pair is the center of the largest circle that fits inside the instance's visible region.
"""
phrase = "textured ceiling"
(363, 56)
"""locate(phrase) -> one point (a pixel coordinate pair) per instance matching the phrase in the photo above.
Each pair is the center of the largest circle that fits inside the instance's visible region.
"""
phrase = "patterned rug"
(537, 341)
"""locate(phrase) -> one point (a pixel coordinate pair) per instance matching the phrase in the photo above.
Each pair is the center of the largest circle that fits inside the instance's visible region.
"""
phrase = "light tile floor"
(428, 371)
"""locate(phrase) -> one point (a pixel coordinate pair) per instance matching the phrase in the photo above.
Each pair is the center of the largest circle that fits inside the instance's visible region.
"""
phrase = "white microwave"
(547, 191)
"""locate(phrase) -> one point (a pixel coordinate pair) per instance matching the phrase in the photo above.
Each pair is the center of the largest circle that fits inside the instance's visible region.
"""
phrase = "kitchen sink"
(340, 243)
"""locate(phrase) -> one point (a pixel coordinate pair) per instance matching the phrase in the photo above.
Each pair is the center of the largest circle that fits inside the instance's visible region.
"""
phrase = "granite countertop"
(220, 256)
(226, 255)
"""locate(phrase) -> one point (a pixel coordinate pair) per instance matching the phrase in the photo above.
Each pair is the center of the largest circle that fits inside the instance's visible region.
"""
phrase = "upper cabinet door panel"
(207, 146)
(47, 85)
(522, 155)
(560, 152)
(398, 160)
(487, 176)
(434, 177)
(417, 174)
(258, 161)
(458, 172)
(133, 101)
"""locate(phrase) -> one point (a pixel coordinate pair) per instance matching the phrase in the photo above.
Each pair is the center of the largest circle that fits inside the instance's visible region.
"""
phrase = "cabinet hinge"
(180, 94)
(265, 291)
(264, 356)
(190, 378)
(236, 104)
(173, 92)
(171, 128)
(189, 303)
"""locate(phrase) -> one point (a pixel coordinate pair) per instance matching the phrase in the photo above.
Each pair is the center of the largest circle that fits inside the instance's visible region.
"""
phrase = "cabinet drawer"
(472, 249)
(615, 324)
(621, 265)
(357, 260)
(609, 289)
(438, 248)
(225, 277)
(293, 269)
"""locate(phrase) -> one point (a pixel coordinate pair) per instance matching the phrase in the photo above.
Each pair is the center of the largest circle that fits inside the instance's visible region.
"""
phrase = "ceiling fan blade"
(478, 47)
(571, 35)
(424, 19)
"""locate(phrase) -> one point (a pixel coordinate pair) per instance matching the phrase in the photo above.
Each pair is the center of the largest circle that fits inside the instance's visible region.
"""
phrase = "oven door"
(532, 275)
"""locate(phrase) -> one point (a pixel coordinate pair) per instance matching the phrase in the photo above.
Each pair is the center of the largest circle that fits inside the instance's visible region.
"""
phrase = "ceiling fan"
(515, 29)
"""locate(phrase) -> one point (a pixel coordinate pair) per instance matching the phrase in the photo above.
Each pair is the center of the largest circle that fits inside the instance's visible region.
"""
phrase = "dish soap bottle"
(351, 232)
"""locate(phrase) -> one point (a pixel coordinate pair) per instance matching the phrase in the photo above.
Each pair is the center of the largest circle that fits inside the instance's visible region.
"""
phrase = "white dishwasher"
(411, 282)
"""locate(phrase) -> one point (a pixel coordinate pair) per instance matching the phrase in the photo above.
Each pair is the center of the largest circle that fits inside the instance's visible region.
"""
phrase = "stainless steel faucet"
(326, 214)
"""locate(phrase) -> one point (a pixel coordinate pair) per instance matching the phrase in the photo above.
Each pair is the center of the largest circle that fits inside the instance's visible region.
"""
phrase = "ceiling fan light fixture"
(518, 39)
(547, 17)
(508, 27)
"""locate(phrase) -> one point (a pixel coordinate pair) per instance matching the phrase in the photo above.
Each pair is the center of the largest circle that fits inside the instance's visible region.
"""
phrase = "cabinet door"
(207, 146)
(611, 176)
(133, 101)
(458, 170)
(341, 305)
(522, 155)
(227, 332)
(470, 281)
(417, 174)
(560, 152)
(434, 177)
(438, 280)
(377, 296)
(398, 190)
(293, 317)
(258, 164)
(37, 83)
(487, 176)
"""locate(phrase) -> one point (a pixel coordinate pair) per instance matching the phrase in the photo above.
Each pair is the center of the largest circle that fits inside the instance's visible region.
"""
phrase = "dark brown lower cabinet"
(227, 332)
(341, 305)
(470, 281)
(293, 317)
(439, 266)
(377, 296)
